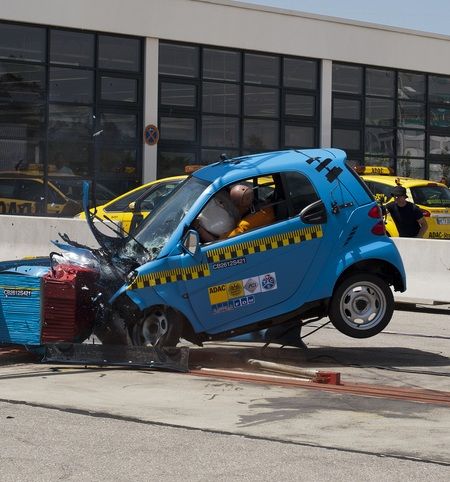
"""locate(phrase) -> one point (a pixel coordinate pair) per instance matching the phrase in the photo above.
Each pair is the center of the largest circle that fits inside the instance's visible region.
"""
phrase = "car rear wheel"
(361, 306)
(160, 327)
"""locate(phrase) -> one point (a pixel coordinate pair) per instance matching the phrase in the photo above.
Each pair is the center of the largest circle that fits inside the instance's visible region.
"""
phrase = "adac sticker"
(268, 282)
(217, 294)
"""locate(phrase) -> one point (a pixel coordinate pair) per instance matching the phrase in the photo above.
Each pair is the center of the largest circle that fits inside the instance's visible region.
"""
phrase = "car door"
(257, 272)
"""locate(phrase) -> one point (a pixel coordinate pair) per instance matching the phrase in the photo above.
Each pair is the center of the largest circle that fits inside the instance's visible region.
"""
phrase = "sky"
(428, 16)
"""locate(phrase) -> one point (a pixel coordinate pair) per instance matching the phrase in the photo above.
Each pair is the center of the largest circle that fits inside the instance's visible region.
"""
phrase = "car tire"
(160, 327)
(361, 306)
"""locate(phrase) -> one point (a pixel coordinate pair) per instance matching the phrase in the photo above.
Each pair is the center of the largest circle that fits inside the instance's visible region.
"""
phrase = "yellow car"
(135, 205)
(22, 192)
(433, 198)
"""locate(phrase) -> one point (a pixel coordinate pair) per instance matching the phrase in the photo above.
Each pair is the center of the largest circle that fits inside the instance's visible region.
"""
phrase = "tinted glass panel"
(220, 98)
(411, 168)
(261, 101)
(380, 82)
(410, 114)
(118, 127)
(260, 135)
(22, 42)
(178, 129)
(179, 60)
(440, 145)
(299, 136)
(410, 143)
(213, 155)
(71, 85)
(379, 141)
(119, 89)
(440, 172)
(76, 154)
(347, 78)
(301, 191)
(122, 161)
(221, 65)
(69, 122)
(119, 53)
(21, 83)
(180, 95)
(346, 109)
(72, 48)
(300, 105)
(220, 131)
(262, 69)
(347, 139)
(171, 163)
(411, 86)
(439, 89)
(379, 111)
(440, 117)
(299, 73)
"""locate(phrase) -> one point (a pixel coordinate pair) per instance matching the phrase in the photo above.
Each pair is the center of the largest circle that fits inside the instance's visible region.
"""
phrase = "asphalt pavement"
(100, 423)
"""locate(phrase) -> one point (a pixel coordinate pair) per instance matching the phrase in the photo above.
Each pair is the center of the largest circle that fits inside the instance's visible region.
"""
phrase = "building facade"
(79, 83)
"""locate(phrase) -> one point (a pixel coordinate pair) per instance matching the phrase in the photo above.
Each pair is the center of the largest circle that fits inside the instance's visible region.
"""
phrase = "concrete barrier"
(427, 261)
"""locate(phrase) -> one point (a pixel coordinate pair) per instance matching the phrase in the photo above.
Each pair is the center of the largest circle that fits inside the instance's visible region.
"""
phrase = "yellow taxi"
(23, 192)
(135, 205)
(433, 198)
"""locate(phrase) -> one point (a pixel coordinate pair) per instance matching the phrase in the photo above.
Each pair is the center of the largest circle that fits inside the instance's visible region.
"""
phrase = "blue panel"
(20, 309)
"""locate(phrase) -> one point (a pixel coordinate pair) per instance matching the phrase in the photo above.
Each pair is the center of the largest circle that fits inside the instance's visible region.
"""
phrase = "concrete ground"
(114, 423)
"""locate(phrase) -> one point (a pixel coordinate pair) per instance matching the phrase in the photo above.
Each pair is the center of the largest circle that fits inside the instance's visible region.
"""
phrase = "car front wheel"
(361, 306)
(161, 327)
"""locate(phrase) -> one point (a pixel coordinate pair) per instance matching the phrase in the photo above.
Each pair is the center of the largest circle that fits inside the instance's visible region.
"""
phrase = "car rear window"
(431, 196)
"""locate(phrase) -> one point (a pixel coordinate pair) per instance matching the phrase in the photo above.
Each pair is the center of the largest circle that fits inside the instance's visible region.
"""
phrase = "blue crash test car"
(322, 252)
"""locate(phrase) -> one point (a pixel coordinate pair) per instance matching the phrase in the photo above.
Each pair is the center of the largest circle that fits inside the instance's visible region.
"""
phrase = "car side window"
(7, 188)
(300, 190)
(30, 190)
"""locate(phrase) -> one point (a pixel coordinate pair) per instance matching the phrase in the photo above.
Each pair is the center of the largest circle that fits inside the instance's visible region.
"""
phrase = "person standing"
(407, 216)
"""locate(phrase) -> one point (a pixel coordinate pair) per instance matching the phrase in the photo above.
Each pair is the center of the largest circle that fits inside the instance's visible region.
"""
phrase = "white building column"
(326, 103)
(150, 107)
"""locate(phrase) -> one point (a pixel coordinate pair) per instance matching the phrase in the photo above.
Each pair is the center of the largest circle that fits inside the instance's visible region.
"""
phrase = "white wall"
(244, 26)
(427, 261)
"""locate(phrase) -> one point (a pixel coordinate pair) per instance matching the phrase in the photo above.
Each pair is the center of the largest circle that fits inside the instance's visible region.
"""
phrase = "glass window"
(262, 69)
(347, 78)
(119, 89)
(349, 109)
(411, 86)
(74, 154)
(260, 135)
(22, 42)
(180, 60)
(20, 83)
(213, 155)
(410, 114)
(71, 85)
(440, 117)
(69, 122)
(173, 163)
(178, 129)
(300, 105)
(410, 143)
(221, 65)
(347, 139)
(439, 89)
(117, 160)
(220, 131)
(261, 101)
(220, 98)
(119, 53)
(299, 136)
(440, 171)
(380, 82)
(379, 111)
(300, 73)
(379, 141)
(118, 127)
(301, 191)
(72, 48)
(411, 168)
(440, 145)
(179, 95)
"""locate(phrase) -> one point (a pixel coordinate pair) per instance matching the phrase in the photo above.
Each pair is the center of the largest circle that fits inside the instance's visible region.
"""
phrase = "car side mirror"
(191, 242)
(132, 206)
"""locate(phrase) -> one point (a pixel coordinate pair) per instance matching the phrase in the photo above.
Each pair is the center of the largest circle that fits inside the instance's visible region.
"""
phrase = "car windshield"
(431, 196)
(155, 231)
